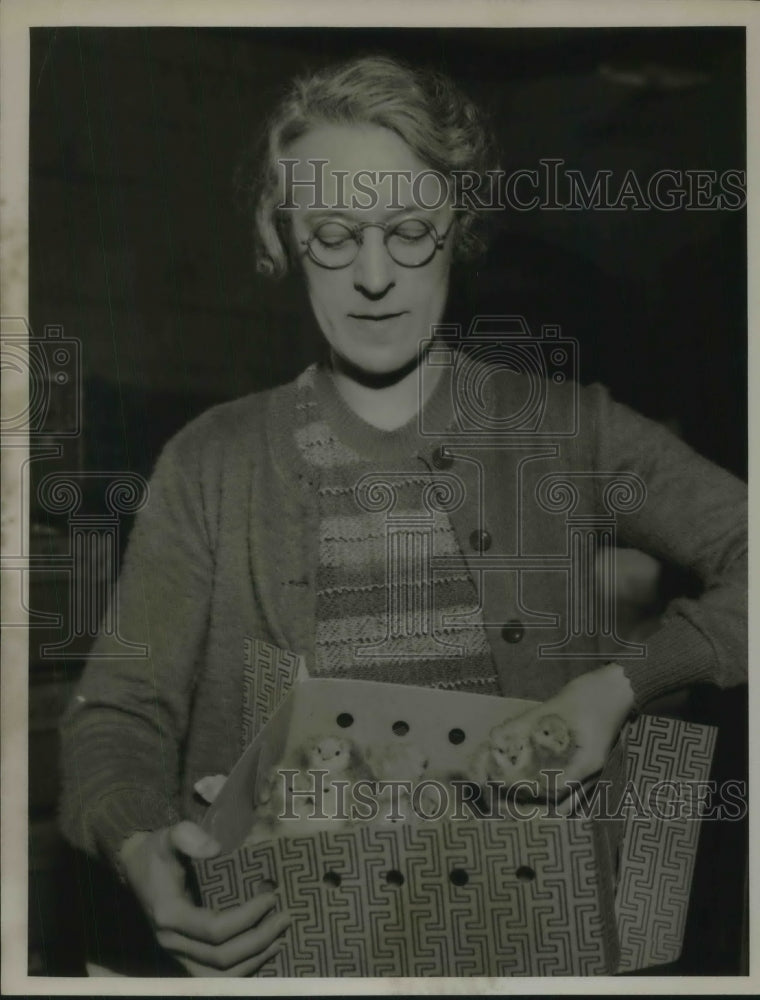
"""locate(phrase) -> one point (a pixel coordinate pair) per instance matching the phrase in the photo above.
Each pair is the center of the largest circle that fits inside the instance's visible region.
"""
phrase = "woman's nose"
(374, 268)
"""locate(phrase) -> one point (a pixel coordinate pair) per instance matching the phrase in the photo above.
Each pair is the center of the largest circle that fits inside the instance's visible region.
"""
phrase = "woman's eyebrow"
(317, 214)
(341, 214)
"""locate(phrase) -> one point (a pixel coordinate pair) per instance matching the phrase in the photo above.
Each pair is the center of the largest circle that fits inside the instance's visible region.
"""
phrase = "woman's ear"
(284, 226)
(470, 234)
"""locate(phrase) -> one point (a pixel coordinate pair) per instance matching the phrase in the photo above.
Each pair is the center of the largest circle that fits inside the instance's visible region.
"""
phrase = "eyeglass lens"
(410, 243)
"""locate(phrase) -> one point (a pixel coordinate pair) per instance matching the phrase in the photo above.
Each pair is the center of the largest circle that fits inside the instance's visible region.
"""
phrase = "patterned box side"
(658, 854)
(608, 837)
(268, 674)
(474, 897)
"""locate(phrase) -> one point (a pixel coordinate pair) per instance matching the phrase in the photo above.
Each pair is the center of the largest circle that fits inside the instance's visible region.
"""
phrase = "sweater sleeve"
(123, 730)
(694, 516)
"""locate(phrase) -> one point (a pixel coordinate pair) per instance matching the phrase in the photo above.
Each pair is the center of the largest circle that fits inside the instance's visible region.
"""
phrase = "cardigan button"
(442, 459)
(512, 632)
(480, 541)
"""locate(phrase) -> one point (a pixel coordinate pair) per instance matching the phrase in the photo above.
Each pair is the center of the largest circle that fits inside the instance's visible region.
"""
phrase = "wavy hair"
(438, 122)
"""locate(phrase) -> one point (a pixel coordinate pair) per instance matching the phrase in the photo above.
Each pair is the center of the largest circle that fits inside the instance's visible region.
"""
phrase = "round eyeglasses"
(410, 243)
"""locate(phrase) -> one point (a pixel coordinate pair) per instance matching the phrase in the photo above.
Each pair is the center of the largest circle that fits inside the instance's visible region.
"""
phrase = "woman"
(261, 520)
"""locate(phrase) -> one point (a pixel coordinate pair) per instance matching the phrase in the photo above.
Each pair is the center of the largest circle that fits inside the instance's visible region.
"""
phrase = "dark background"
(139, 249)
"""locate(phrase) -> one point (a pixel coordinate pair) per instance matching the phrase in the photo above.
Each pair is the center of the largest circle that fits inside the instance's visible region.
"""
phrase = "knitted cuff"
(125, 811)
(677, 656)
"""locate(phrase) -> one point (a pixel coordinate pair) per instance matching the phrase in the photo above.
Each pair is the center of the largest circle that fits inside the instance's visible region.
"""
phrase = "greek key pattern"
(268, 674)
(499, 898)
(658, 854)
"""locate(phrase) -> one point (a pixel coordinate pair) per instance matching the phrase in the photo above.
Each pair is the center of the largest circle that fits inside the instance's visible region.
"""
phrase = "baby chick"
(510, 755)
(516, 750)
(402, 762)
(553, 740)
(316, 793)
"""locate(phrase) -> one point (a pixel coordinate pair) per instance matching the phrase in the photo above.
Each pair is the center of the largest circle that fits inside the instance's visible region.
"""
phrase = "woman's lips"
(376, 317)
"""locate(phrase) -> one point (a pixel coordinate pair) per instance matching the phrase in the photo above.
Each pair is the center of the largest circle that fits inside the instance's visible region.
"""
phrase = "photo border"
(16, 17)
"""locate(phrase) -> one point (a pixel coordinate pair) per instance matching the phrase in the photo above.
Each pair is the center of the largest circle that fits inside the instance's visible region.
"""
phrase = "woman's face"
(374, 311)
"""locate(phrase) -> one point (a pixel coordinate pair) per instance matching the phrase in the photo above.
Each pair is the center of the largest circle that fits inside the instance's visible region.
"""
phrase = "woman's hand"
(593, 707)
(235, 942)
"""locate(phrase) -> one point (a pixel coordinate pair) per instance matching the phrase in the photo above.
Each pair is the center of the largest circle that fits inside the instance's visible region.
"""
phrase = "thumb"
(188, 838)
(209, 787)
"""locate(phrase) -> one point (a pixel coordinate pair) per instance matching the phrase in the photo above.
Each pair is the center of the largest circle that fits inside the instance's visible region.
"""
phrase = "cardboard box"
(658, 852)
(495, 897)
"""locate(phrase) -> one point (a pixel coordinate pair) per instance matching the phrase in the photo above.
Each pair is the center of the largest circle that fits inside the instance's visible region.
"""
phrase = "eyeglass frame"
(358, 228)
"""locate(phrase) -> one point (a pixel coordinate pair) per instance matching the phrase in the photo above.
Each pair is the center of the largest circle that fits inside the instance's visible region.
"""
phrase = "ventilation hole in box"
(458, 876)
(456, 736)
(331, 878)
(525, 873)
(394, 877)
(400, 728)
(345, 719)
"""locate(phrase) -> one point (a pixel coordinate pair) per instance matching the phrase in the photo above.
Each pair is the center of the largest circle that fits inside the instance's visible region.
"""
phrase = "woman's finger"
(566, 806)
(246, 968)
(190, 839)
(231, 953)
(210, 926)
(571, 789)
(559, 783)
(210, 786)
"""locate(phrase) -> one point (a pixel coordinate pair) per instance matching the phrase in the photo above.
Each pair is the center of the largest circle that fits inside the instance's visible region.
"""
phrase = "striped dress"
(382, 613)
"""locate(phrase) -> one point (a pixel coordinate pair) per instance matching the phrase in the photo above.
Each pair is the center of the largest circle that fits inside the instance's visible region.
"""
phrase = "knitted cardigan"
(225, 551)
